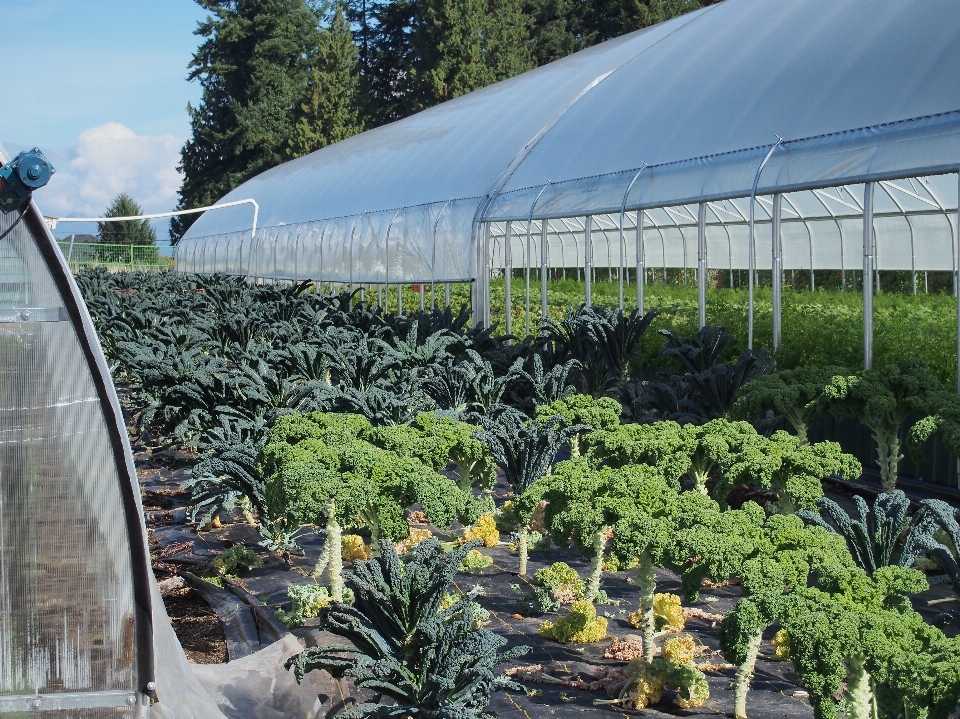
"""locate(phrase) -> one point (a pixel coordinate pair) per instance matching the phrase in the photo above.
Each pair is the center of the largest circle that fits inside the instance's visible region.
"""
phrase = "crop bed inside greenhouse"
(373, 483)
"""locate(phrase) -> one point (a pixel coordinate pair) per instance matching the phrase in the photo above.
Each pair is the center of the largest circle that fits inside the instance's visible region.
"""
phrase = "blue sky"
(100, 86)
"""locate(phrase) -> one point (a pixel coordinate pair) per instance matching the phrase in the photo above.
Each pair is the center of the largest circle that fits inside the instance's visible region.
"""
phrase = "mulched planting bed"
(775, 692)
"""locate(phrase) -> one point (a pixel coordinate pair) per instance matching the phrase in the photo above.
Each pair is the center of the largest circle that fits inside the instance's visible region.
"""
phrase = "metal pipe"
(433, 257)
(544, 224)
(587, 251)
(776, 276)
(623, 247)
(386, 266)
(175, 213)
(508, 274)
(868, 275)
(485, 274)
(702, 263)
(641, 262)
(528, 259)
(751, 248)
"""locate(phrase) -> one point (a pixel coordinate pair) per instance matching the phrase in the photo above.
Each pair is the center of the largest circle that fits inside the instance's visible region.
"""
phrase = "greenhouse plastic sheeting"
(672, 115)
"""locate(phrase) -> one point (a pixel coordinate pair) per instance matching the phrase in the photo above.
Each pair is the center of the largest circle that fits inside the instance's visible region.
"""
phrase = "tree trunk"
(522, 536)
(744, 676)
(596, 565)
(647, 582)
(859, 693)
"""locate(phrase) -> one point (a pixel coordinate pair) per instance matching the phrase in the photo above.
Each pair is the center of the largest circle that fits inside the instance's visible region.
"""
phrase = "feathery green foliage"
(321, 467)
(584, 503)
(594, 413)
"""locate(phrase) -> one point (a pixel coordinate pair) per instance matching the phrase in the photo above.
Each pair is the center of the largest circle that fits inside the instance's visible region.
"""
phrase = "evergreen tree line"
(283, 78)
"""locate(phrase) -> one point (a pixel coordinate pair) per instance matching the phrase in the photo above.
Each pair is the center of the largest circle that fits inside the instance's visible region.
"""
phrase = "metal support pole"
(702, 263)
(641, 262)
(956, 253)
(868, 275)
(508, 274)
(623, 264)
(527, 262)
(751, 248)
(776, 277)
(544, 224)
(587, 251)
(485, 274)
(446, 294)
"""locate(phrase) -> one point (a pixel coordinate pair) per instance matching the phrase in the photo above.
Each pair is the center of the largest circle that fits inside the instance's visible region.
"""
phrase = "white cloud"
(107, 160)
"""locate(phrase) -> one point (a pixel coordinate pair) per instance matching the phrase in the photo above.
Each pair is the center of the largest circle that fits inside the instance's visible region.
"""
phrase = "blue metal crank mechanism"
(28, 171)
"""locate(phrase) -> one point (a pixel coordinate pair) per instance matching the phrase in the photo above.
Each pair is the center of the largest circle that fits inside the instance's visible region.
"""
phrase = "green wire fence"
(119, 257)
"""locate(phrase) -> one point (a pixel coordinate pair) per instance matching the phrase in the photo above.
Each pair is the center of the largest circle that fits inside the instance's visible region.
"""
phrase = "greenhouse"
(682, 124)
(206, 474)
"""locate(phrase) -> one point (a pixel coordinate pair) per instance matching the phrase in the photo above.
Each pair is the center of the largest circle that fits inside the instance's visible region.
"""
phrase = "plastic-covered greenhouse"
(826, 113)
(823, 135)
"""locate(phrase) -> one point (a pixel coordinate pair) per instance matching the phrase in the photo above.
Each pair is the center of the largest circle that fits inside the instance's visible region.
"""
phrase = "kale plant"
(881, 536)
(432, 662)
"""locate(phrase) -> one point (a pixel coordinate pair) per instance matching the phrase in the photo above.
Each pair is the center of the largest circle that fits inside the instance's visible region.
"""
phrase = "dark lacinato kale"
(430, 661)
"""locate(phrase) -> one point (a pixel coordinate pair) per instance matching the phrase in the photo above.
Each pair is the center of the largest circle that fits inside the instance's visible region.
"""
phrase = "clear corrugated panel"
(66, 589)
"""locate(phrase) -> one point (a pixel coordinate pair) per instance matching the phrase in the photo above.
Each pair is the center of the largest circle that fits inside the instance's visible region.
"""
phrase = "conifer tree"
(253, 66)
(126, 232)
(463, 45)
(331, 112)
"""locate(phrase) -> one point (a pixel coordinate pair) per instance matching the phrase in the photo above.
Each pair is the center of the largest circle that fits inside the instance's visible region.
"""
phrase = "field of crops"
(637, 531)
(819, 328)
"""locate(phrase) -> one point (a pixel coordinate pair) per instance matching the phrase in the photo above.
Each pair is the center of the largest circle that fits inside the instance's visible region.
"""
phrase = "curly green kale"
(881, 399)
(584, 503)
(791, 393)
(597, 413)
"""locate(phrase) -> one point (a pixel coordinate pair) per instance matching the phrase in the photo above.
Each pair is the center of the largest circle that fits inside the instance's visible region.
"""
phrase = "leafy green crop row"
(819, 328)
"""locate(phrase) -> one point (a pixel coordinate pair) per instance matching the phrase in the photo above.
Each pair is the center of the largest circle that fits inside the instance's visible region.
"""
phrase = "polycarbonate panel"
(68, 620)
